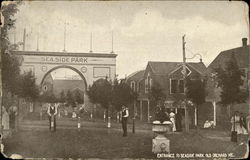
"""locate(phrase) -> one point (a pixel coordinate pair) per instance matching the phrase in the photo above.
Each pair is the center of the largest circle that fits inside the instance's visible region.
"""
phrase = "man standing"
(52, 111)
(124, 115)
(12, 116)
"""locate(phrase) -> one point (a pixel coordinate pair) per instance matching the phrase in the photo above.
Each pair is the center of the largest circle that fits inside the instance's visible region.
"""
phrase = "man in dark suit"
(52, 111)
(124, 115)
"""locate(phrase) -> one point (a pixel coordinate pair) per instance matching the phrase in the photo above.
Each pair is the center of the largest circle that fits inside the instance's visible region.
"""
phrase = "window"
(181, 86)
(176, 86)
(173, 85)
(132, 85)
(150, 83)
(146, 85)
(138, 86)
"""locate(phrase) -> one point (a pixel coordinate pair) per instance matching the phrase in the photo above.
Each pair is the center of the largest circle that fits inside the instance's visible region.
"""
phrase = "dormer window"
(176, 86)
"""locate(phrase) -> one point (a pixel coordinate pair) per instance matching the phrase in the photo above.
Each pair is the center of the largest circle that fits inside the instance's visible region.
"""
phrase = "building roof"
(136, 76)
(163, 68)
(65, 85)
(241, 55)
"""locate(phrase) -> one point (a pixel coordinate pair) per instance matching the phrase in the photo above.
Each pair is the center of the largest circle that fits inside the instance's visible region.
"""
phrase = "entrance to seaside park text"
(89, 66)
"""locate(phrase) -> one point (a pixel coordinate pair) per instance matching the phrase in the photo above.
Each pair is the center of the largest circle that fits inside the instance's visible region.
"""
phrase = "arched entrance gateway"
(89, 66)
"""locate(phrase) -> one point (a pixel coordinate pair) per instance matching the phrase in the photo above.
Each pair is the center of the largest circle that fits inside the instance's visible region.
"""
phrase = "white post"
(79, 123)
(195, 116)
(91, 116)
(104, 116)
(214, 104)
(109, 122)
(41, 114)
(117, 116)
(59, 114)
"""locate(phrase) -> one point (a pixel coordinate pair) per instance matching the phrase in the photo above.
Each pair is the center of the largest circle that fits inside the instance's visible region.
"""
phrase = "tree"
(48, 97)
(70, 99)
(156, 93)
(122, 94)
(101, 92)
(196, 91)
(29, 89)
(10, 72)
(78, 97)
(62, 97)
(229, 79)
(12, 80)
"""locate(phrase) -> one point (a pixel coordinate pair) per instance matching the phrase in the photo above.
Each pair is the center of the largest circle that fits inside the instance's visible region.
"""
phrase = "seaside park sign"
(90, 66)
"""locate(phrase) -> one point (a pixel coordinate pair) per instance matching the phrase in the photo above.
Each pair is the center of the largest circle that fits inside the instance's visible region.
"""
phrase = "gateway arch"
(90, 66)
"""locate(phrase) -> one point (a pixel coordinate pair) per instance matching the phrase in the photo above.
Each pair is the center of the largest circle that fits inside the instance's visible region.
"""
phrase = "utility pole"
(37, 43)
(112, 43)
(90, 51)
(14, 36)
(64, 39)
(24, 38)
(185, 82)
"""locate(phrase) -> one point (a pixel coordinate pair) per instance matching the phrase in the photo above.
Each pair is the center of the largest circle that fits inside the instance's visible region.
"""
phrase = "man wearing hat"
(52, 111)
(124, 115)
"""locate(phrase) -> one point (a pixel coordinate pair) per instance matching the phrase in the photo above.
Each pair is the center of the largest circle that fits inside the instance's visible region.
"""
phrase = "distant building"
(47, 86)
(67, 85)
(58, 85)
(169, 77)
(241, 55)
(133, 80)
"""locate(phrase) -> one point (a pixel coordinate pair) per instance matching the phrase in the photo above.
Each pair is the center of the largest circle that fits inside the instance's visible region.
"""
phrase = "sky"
(65, 74)
(143, 31)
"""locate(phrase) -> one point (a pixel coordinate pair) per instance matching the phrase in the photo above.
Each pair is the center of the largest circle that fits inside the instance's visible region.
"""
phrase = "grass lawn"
(65, 143)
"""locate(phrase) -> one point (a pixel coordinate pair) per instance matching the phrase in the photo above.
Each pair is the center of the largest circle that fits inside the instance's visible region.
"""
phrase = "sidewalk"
(72, 124)
(215, 134)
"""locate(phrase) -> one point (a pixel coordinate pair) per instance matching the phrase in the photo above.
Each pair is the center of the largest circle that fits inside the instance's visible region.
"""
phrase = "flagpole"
(90, 43)
(24, 38)
(112, 42)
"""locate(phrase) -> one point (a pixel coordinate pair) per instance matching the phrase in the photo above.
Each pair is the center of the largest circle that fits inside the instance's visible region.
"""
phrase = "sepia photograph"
(124, 80)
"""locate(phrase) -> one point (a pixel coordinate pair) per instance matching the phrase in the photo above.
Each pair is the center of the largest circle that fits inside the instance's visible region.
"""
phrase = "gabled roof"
(136, 76)
(163, 68)
(241, 55)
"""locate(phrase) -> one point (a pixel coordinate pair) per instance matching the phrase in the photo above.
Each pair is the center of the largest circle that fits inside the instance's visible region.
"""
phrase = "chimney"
(244, 42)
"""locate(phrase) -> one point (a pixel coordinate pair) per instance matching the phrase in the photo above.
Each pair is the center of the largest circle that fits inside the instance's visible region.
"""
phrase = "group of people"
(239, 123)
(53, 110)
(176, 118)
(9, 117)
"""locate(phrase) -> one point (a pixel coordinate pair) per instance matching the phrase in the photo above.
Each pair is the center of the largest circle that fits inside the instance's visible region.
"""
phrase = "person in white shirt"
(172, 119)
(124, 115)
(52, 112)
